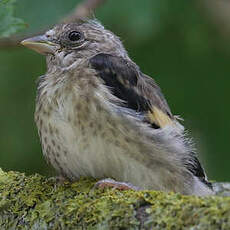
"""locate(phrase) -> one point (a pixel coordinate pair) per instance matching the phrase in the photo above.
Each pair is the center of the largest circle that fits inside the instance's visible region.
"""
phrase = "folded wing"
(138, 91)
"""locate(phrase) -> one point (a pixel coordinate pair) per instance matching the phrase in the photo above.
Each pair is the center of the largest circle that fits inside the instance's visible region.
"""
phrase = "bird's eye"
(74, 36)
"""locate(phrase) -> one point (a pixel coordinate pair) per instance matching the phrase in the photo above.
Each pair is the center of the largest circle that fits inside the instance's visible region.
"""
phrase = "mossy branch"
(35, 202)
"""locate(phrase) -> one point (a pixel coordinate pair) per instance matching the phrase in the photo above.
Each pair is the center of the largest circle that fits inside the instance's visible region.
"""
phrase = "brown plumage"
(98, 115)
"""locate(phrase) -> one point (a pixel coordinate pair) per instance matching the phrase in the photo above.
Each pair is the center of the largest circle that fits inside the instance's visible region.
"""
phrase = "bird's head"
(67, 42)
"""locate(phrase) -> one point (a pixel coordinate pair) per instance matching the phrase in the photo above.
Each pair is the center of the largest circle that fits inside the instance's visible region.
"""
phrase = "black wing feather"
(197, 170)
(121, 77)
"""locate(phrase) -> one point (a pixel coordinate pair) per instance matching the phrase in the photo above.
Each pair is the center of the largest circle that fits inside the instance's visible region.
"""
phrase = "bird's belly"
(96, 151)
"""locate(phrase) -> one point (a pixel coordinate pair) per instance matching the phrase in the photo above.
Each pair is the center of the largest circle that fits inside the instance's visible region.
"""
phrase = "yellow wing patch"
(159, 118)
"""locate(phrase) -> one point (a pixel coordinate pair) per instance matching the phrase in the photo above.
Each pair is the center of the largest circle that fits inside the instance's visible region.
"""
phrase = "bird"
(99, 116)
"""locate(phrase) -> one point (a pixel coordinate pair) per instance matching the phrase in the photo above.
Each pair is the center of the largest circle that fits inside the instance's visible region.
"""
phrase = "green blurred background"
(176, 42)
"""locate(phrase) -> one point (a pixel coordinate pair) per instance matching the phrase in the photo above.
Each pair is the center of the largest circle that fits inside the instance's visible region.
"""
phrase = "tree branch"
(83, 10)
(36, 202)
(218, 13)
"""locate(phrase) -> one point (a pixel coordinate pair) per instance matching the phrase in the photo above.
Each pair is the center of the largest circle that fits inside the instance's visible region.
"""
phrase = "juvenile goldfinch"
(98, 115)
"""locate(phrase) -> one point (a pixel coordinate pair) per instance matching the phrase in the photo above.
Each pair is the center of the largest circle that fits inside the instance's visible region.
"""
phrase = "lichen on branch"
(36, 202)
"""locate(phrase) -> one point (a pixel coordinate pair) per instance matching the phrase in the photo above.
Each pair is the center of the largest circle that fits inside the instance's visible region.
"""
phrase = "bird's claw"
(110, 183)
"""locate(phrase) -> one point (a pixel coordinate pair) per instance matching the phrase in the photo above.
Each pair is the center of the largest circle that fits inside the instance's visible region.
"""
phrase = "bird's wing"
(139, 92)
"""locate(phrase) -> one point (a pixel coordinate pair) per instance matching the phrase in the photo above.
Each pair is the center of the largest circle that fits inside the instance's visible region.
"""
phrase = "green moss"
(35, 202)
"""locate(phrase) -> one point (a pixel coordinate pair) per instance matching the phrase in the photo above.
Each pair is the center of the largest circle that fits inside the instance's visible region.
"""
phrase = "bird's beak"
(40, 44)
